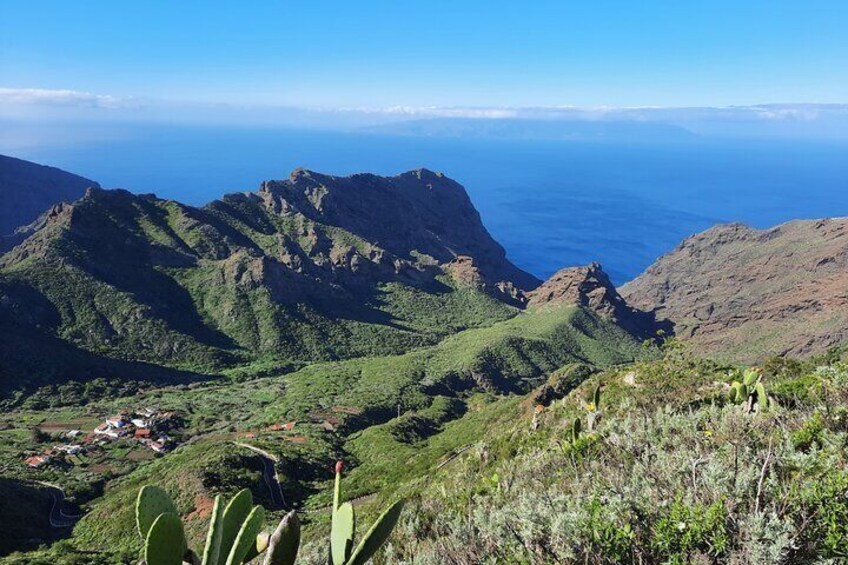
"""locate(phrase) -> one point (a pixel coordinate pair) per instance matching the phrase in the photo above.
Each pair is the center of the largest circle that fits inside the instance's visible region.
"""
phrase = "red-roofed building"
(37, 461)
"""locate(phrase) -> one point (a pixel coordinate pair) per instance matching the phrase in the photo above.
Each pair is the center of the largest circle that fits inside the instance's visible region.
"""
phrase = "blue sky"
(406, 53)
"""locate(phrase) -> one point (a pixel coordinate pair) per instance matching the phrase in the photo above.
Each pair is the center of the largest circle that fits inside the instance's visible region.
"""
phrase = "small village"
(147, 426)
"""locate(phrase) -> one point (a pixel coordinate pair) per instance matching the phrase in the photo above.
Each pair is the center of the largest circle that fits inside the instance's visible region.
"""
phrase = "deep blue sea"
(550, 203)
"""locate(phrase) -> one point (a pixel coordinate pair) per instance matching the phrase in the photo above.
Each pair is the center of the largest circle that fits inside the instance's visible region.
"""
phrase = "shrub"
(689, 529)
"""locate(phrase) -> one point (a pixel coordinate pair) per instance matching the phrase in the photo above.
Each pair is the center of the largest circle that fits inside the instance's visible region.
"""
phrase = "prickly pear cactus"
(165, 543)
(246, 537)
(740, 393)
(731, 394)
(150, 503)
(259, 545)
(341, 533)
(377, 535)
(234, 516)
(212, 550)
(284, 542)
(750, 378)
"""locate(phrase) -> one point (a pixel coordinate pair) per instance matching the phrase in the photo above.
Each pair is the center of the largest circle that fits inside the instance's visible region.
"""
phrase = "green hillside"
(669, 471)
(394, 419)
(117, 280)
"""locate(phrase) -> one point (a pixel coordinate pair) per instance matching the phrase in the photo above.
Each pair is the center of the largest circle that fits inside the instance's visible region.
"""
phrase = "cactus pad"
(284, 542)
(750, 378)
(165, 543)
(246, 537)
(377, 535)
(212, 550)
(234, 516)
(151, 502)
(341, 534)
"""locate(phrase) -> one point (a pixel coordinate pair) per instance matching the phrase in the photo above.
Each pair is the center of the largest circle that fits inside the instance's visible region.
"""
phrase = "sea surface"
(550, 203)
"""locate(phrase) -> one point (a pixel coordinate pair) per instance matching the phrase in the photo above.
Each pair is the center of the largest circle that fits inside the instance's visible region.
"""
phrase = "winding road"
(58, 517)
(269, 473)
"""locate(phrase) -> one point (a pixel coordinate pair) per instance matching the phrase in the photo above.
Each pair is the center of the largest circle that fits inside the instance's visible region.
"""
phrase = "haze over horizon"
(308, 65)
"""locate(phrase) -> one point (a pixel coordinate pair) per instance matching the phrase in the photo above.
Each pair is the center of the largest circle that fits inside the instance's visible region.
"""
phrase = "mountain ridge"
(753, 293)
(28, 189)
(310, 268)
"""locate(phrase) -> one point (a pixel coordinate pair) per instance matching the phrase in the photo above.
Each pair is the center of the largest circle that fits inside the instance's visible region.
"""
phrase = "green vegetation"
(395, 419)
(234, 533)
(541, 436)
(139, 291)
(343, 529)
(664, 467)
(673, 474)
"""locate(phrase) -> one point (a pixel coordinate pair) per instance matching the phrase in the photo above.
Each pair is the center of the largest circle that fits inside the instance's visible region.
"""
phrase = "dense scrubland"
(666, 469)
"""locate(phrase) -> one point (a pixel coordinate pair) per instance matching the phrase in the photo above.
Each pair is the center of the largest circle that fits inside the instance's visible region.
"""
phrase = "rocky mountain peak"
(417, 215)
(589, 286)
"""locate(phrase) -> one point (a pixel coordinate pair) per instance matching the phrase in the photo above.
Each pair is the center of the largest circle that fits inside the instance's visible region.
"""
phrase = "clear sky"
(453, 53)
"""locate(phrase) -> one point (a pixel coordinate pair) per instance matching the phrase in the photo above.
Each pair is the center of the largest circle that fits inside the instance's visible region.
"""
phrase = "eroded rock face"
(590, 287)
(465, 270)
(417, 217)
(587, 286)
(748, 294)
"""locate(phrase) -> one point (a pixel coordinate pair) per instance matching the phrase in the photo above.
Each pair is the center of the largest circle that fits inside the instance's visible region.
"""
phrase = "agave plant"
(235, 532)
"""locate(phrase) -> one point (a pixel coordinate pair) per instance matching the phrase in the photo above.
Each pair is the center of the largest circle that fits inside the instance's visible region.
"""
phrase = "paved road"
(60, 514)
(269, 473)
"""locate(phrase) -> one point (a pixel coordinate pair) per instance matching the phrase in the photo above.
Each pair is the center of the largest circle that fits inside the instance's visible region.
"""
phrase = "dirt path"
(269, 474)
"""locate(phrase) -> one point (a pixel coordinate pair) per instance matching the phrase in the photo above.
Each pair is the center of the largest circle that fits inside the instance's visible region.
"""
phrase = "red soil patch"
(296, 439)
(202, 507)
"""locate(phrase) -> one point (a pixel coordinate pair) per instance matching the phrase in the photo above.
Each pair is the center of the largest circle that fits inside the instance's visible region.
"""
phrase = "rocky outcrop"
(590, 287)
(419, 217)
(746, 294)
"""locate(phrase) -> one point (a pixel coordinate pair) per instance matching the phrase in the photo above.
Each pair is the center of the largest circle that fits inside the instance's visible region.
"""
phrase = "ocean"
(549, 203)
